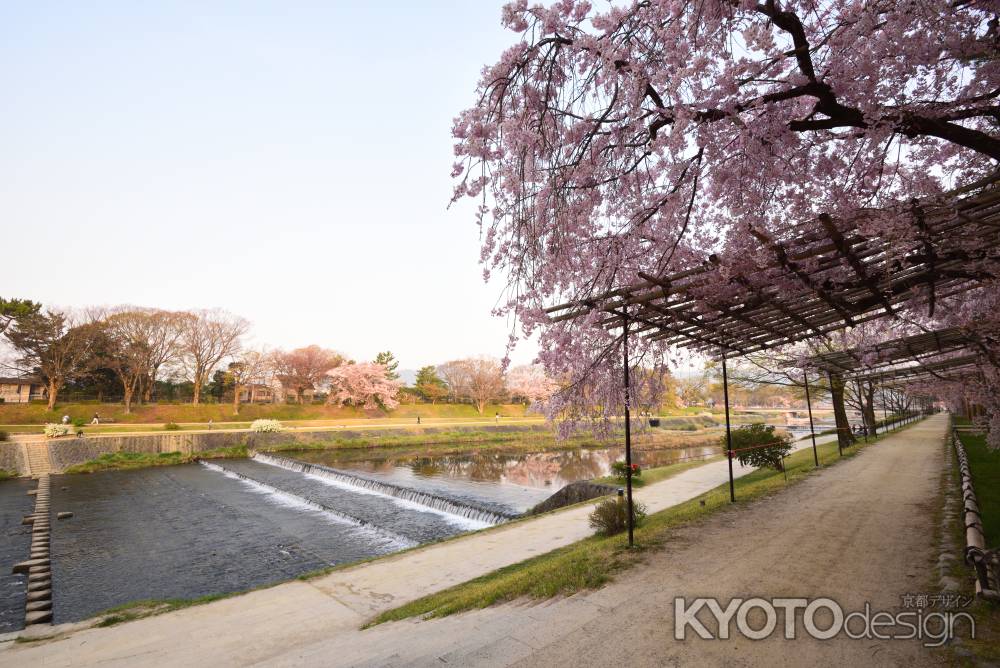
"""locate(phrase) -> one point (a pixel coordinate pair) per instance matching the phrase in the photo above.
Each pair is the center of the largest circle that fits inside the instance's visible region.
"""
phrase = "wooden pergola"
(808, 281)
(818, 277)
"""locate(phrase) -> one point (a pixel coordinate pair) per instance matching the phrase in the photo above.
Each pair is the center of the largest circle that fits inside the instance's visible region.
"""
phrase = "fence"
(986, 563)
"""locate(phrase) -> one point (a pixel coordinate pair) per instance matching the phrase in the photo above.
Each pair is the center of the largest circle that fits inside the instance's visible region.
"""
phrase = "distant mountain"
(408, 376)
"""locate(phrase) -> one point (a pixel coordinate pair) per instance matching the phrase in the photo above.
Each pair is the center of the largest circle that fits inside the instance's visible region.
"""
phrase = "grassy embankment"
(25, 417)
(160, 413)
(594, 561)
(407, 444)
(6, 475)
(985, 467)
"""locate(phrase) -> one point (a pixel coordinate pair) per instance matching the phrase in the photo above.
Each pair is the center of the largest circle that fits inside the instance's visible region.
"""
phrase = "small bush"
(620, 469)
(265, 426)
(56, 430)
(768, 448)
(611, 515)
(4, 436)
(172, 426)
(79, 422)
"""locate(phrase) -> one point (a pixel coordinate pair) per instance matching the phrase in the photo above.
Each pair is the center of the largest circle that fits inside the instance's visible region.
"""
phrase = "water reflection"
(520, 479)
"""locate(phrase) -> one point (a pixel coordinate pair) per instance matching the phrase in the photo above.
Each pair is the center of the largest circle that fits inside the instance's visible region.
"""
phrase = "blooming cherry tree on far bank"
(363, 384)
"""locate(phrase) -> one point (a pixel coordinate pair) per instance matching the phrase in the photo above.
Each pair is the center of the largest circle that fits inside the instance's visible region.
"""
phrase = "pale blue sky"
(287, 161)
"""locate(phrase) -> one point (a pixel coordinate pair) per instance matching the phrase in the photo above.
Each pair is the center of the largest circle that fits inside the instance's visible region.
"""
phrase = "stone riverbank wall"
(12, 458)
(65, 452)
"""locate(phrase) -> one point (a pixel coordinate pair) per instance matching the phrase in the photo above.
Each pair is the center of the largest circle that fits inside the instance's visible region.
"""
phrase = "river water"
(15, 543)
(229, 525)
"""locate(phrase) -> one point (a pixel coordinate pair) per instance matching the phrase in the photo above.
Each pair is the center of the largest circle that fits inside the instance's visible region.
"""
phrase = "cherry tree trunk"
(53, 393)
(844, 435)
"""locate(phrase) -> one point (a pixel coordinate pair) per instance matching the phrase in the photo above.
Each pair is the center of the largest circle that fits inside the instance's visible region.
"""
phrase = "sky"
(286, 161)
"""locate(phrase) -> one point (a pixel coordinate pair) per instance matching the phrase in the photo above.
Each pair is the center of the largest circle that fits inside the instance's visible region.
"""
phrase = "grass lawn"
(595, 561)
(985, 466)
(36, 413)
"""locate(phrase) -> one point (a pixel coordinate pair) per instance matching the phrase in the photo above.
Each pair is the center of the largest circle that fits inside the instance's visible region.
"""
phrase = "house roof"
(33, 380)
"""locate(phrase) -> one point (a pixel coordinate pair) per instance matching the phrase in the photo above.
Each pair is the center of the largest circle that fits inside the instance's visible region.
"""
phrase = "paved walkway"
(267, 625)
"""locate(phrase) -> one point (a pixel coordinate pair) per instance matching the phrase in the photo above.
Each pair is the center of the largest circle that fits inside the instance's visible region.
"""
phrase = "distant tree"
(11, 309)
(219, 385)
(363, 384)
(429, 385)
(485, 381)
(251, 367)
(389, 361)
(305, 368)
(456, 376)
(163, 340)
(206, 339)
(55, 346)
(692, 390)
(530, 383)
(127, 354)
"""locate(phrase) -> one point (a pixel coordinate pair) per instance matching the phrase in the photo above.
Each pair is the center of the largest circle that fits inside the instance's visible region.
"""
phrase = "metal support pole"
(628, 437)
(729, 432)
(812, 429)
(885, 410)
(864, 416)
(840, 439)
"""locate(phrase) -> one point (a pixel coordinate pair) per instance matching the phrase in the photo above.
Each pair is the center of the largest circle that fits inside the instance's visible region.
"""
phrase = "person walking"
(96, 420)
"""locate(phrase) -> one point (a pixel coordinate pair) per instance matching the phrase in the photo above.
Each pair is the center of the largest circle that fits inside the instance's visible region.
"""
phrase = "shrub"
(620, 469)
(611, 515)
(79, 422)
(265, 426)
(172, 426)
(56, 430)
(4, 436)
(768, 447)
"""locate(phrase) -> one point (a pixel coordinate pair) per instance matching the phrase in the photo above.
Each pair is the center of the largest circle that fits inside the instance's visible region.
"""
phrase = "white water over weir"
(301, 501)
(432, 501)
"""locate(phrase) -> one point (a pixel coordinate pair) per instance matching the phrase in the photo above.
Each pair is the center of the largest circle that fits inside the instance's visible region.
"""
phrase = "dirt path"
(858, 527)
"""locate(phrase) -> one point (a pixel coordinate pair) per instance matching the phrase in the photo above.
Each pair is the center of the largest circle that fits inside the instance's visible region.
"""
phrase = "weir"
(457, 507)
(337, 515)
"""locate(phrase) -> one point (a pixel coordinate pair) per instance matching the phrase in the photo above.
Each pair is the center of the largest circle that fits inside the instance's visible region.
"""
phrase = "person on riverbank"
(96, 420)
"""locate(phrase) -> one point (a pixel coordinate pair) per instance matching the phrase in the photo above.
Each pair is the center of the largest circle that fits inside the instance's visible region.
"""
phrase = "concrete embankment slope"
(63, 452)
(271, 623)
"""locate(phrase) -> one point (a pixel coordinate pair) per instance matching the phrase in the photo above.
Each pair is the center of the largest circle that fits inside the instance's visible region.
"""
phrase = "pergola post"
(729, 432)
(837, 413)
(885, 409)
(628, 436)
(864, 414)
(809, 406)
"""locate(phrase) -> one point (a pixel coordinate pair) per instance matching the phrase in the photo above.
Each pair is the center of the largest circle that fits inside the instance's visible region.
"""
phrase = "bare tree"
(163, 345)
(56, 346)
(206, 339)
(127, 350)
(479, 379)
(305, 369)
(455, 374)
(250, 368)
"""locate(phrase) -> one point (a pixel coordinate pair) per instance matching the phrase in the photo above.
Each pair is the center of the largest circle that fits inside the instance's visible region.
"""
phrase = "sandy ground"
(861, 531)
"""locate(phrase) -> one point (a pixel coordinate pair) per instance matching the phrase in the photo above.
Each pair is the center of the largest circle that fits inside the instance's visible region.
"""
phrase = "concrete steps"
(38, 459)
